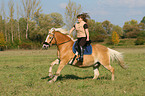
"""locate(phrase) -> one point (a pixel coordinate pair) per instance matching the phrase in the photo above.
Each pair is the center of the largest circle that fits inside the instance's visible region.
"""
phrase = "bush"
(115, 38)
(141, 34)
(2, 41)
(26, 46)
(109, 40)
(131, 34)
(140, 41)
(98, 38)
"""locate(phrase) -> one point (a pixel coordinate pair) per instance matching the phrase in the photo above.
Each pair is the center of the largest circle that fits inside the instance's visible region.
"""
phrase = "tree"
(5, 21)
(141, 26)
(46, 22)
(115, 38)
(97, 32)
(143, 20)
(131, 29)
(23, 24)
(57, 20)
(132, 22)
(30, 7)
(107, 26)
(1, 23)
(11, 8)
(2, 40)
(71, 12)
(19, 35)
(117, 29)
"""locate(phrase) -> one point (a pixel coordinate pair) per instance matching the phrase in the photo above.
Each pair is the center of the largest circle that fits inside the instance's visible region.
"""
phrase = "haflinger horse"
(101, 55)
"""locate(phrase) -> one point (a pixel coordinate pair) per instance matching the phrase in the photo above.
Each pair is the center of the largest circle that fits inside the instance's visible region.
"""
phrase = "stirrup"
(80, 59)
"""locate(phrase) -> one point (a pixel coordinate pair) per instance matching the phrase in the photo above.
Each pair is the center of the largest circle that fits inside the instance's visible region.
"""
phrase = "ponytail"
(84, 16)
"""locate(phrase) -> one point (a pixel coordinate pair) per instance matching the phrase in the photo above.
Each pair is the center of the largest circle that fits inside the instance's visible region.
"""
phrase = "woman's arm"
(87, 32)
(72, 29)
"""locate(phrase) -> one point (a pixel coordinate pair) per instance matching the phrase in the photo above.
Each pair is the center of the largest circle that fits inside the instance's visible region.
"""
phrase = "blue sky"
(116, 11)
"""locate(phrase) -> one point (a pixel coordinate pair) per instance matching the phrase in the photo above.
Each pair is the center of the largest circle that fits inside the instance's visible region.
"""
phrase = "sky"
(116, 11)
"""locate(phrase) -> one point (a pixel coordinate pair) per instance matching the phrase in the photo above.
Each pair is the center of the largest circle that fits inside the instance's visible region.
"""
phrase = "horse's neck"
(63, 41)
(60, 38)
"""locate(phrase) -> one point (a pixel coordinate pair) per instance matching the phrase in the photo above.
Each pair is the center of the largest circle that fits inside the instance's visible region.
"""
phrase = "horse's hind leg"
(111, 69)
(106, 64)
(51, 66)
(96, 70)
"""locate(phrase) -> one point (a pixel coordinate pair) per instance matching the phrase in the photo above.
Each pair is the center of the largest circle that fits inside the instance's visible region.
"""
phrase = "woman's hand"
(87, 39)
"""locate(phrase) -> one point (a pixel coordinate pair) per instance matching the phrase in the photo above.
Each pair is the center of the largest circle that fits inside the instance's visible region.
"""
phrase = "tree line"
(31, 25)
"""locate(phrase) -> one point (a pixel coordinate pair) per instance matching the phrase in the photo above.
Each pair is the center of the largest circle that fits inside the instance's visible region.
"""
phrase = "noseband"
(49, 42)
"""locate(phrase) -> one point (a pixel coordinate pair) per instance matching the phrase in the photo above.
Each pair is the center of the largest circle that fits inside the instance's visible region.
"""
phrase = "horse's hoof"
(51, 81)
(51, 76)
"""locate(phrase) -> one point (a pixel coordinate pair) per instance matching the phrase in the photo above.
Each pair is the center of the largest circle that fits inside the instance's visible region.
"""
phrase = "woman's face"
(80, 19)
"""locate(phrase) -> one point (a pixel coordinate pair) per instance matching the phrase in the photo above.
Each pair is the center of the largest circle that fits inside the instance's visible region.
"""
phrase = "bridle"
(55, 41)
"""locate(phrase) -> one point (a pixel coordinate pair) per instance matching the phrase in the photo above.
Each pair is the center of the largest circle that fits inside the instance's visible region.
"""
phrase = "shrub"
(141, 34)
(139, 41)
(115, 38)
(100, 38)
(131, 34)
(26, 46)
(2, 41)
(109, 40)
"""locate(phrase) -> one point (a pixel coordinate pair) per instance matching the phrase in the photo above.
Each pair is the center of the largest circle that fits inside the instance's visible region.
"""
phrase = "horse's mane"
(61, 30)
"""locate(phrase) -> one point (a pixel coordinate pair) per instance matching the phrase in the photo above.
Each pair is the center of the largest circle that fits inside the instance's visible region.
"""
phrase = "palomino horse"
(100, 55)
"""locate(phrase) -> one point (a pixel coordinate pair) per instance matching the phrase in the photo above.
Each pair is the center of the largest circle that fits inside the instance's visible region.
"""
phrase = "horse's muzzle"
(45, 45)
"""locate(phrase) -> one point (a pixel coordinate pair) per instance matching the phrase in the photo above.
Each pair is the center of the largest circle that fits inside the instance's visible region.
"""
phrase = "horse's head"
(49, 39)
(56, 36)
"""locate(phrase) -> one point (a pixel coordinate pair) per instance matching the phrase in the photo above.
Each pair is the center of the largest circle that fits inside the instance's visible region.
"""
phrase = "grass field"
(24, 73)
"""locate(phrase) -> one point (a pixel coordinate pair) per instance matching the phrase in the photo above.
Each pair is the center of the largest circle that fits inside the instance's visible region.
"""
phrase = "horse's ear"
(53, 31)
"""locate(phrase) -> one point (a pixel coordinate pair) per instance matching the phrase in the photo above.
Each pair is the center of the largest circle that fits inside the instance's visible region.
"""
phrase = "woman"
(82, 33)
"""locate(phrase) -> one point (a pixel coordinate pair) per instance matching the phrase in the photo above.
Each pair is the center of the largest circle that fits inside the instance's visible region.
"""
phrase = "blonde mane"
(61, 30)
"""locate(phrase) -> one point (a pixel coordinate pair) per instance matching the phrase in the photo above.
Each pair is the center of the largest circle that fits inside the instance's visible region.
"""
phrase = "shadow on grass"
(74, 77)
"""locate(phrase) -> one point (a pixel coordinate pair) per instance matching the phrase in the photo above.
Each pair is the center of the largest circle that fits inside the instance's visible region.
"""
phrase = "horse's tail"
(118, 57)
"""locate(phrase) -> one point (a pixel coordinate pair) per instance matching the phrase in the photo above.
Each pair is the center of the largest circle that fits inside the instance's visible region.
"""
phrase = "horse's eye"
(50, 37)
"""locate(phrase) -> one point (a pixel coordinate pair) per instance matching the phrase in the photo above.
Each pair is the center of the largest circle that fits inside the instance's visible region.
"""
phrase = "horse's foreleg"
(61, 66)
(51, 66)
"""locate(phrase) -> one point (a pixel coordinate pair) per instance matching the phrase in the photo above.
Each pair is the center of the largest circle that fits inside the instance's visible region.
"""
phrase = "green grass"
(24, 73)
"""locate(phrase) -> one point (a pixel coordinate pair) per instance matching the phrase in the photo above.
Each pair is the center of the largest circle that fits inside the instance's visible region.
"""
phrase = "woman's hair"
(84, 16)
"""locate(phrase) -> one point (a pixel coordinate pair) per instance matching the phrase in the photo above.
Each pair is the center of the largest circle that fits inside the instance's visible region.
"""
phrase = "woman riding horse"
(101, 55)
(82, 33)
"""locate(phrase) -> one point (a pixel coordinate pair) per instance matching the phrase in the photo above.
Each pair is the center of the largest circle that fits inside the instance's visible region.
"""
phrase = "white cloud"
(63, 5)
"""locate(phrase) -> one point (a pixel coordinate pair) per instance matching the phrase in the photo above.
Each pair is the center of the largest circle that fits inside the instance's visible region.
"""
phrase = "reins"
(63, 42)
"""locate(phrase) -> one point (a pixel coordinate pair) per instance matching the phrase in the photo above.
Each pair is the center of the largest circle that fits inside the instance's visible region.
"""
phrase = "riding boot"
(81, 54)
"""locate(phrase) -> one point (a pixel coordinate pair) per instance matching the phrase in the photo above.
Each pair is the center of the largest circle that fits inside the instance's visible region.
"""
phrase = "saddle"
(87, 48)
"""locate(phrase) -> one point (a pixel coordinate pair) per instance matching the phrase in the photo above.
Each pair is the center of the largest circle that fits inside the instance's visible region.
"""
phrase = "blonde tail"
(118, 57)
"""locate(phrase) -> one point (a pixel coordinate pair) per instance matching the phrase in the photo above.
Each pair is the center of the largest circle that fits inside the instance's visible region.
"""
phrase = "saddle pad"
(88, 49)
